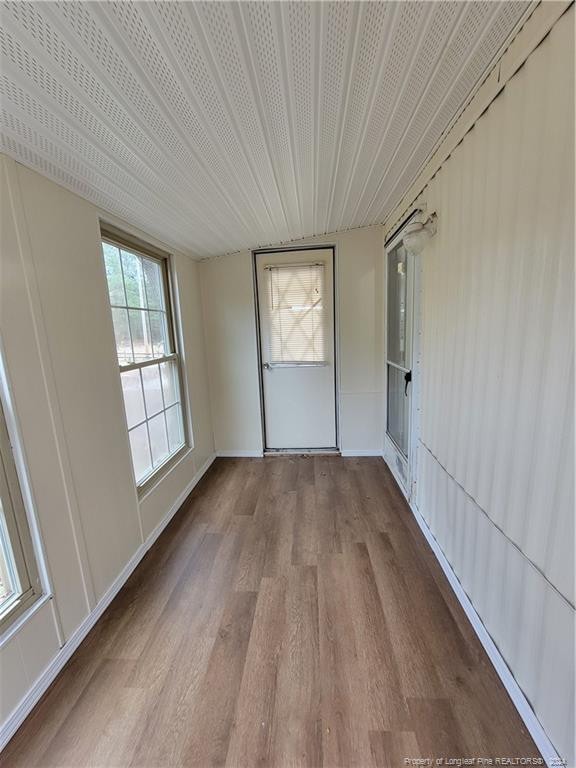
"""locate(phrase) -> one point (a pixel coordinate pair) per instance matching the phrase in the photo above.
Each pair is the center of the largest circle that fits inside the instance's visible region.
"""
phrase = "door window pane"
(398, 409)
(397, 310)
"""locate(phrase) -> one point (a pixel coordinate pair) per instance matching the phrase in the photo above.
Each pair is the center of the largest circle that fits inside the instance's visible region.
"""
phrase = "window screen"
(296, 314)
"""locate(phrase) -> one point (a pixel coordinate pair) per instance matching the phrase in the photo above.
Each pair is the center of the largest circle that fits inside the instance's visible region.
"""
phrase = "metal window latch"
(407, 380)
(267, 366)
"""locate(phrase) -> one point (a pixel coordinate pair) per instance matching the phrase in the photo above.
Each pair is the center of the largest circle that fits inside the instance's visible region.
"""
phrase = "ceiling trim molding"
(535, 29)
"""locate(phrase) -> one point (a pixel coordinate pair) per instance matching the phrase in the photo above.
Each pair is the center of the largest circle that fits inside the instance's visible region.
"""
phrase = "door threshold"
(301, 451)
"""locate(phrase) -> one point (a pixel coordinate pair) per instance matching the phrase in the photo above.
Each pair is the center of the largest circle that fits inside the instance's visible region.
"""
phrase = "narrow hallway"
(291, 614)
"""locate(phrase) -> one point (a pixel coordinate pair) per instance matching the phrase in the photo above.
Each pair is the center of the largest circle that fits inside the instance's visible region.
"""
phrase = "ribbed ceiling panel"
(220, 126)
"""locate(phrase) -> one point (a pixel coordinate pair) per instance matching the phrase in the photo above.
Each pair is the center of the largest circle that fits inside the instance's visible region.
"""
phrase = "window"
(398, 349)
(19, 581)
(147, 353)
(295, 304)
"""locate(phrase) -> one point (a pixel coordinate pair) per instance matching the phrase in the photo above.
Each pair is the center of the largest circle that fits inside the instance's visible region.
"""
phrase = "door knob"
(407, 380)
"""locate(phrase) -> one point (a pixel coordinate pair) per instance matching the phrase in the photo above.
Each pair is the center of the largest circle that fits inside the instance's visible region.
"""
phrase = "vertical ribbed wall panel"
(496, 464)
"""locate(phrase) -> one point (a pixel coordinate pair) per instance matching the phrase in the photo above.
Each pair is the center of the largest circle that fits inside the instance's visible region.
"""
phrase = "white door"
(399, 362)
(296, 313)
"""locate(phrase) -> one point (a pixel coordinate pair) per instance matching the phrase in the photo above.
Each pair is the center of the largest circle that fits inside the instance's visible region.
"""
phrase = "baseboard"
(533, 725)
(17, 717)
(361, 452)
(259, 454)
(15, 720)
(151, 538)
(239, 454)
(301, 452)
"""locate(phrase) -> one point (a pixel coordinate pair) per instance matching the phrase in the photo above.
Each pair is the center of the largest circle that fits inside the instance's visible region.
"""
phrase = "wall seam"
(498, 528)
(26, 257)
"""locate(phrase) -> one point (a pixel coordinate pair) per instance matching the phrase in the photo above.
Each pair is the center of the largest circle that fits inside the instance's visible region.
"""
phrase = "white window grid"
(171, 358)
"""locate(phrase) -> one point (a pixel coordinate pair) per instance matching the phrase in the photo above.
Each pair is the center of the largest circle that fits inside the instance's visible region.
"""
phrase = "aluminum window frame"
(139, 248)
(16, 536)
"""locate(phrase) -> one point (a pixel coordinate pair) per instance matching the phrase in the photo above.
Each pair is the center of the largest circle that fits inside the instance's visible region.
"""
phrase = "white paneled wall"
(58, 350)
(496, 456)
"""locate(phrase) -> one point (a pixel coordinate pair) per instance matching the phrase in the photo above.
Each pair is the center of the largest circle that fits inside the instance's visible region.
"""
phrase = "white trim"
(17, 625)
(503, 671)
(18, 715)
(240, 454)
(391, 454)
(151, 538)
(162, 472)
(302, 452)
(48, 385)
(347, 452)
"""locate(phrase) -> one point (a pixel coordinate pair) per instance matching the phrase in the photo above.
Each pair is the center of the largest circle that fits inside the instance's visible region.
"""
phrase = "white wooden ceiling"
(220, 126)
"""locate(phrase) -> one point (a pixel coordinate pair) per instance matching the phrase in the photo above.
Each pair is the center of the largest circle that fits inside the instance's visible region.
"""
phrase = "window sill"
(297, 364)
(149, 486)
(19, 621)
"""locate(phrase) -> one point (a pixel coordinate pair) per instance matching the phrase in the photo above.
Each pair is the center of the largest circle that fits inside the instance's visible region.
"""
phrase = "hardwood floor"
(291, 615)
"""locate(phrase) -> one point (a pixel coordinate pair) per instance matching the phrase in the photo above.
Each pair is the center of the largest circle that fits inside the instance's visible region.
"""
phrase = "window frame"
(18, 533)
(134, 245)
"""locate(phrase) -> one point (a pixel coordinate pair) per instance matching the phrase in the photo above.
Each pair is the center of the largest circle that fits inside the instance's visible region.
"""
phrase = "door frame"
(291, 249)
(408, 484)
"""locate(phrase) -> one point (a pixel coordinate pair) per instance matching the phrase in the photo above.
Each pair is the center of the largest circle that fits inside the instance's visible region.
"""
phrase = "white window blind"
(296, 314)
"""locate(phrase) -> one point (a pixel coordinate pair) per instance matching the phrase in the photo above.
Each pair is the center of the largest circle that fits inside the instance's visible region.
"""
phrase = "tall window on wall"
(19, 579)
(150, 367)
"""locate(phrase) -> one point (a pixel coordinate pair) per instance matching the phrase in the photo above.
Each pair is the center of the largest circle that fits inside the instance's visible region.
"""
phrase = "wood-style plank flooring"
(291, 615)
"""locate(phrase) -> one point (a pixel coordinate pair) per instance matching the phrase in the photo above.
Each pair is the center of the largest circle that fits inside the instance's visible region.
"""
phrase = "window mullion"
(138, 424)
